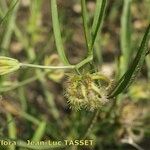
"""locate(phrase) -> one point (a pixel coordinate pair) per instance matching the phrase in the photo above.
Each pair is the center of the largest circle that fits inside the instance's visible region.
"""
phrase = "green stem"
(77, 66)
(32, 79)
(47, 67)
(17, 85)
(90, 124)
(57, 32)
(30, 118)
(10, 25)
(98, 19)
(85, 61)
(9, 11)
(11, 129)
(85, 24)
(125, 37)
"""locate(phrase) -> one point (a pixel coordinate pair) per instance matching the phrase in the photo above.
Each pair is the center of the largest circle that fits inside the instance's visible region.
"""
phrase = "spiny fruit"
(87, 91)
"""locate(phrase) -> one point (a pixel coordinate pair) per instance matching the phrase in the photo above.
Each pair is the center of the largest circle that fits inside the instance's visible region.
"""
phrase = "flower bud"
(8, 65)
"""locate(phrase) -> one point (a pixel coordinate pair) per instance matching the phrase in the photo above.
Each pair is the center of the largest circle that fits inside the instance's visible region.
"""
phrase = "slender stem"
(11, 129)
(85, 24)
(30, 118)
(57, 32)
(20, 84)
(10, 25)
(32, 79)
(85, 61)
(77, 66)
(125, 37)
(47, 67)
(90, 124)
(98, 19)
(9, 11)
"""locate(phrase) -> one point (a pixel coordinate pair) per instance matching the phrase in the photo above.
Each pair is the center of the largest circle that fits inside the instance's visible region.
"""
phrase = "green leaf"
(85, 24)
(12, 131)
(126, 36)
(9, 24)
(57, 33)
(133, 71)
(39, 132)
(98, 19)
(9, 11)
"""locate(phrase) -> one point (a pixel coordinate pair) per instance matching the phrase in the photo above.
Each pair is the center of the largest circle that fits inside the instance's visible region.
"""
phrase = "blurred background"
(32, 102)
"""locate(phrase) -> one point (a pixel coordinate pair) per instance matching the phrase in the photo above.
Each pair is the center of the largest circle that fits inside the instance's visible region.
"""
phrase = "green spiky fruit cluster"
(86, 91)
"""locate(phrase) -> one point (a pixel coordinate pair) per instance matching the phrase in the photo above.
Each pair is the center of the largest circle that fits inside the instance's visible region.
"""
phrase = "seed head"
(83, 92)
(8, 65)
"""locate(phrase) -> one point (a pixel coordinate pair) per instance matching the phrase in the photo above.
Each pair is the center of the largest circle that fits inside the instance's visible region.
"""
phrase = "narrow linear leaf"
(132, 72)
(98, 19)
(126, 35)
(9, 27)
(57, 33)
(148, 65)
(39, 132)
(11, 130)
(85, 24)
(98, 50)
(30, 118)
(9, 11)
